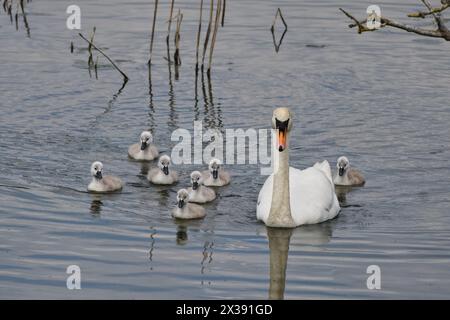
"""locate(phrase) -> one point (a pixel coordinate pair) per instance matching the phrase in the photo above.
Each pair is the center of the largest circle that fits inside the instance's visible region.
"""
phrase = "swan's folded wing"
(265, 200)
(324, 166)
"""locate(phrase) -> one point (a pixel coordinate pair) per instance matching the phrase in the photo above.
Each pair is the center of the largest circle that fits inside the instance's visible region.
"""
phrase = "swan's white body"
(291, 197)
(312, 196)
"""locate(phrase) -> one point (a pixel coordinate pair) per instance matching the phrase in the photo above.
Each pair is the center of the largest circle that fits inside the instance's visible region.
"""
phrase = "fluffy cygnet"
(215, 176)
(101, 183)
(198, 192)
(145, 150)
(162, 175)
(186, 210)
(347, 176)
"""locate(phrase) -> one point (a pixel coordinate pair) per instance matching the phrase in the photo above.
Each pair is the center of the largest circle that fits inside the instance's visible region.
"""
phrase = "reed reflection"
(152, 246)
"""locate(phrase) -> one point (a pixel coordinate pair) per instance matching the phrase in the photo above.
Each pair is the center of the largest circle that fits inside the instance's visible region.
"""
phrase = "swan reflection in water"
(183, 228)
(182, 239)
(97, 202)
(280, 239)
(341, 193)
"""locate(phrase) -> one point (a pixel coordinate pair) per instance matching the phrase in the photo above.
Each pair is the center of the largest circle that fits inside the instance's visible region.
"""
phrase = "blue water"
(381, 98)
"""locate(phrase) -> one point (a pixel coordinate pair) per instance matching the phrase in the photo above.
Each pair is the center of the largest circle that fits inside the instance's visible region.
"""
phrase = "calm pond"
(381, 98)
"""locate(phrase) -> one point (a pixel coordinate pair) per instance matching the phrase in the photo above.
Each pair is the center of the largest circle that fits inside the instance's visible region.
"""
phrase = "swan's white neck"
(280, 209)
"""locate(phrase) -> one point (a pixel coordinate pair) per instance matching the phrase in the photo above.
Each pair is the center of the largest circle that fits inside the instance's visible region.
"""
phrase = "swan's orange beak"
(281, 140)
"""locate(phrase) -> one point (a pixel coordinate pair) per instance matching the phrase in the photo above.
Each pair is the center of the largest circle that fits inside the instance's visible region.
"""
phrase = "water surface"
(379, 98)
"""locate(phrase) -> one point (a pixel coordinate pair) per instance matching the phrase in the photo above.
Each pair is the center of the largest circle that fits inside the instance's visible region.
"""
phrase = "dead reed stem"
(223, 12)
(198, 34)
(168, 30)
(208, 31)
(213, 40)
(153, 32)
(176, 56)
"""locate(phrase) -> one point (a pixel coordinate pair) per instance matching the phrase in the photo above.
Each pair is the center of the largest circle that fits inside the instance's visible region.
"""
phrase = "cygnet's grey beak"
(166, 170)
(143, 145)
(180, 203)
(98, 175)
(341, 171)
(215, 173)
(195, 185)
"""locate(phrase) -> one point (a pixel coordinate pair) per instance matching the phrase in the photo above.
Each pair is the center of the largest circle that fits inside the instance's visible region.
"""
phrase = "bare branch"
(359, 24)
(436, 16)
(125, 77)
(423, 14)
(440, 32)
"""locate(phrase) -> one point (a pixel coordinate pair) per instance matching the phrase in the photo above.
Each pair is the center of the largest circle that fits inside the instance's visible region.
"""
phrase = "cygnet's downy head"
(282, 123)
(342, 165)
(182, 198)
(214, 166)
(96, 170)
(146, 139)
(196, 179)
(164, 163)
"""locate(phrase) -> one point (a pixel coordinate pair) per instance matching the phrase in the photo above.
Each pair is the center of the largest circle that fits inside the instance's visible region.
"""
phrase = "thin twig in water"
(272, 29)
(278, 13)
(125, 77)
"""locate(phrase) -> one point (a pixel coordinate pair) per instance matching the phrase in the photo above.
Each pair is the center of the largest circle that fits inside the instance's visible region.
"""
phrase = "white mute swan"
(185, 210)
(162, 175)
(347, 176)
(198, 192)
(102, 183)
(291, 197)
(145, 150)
(215, 176)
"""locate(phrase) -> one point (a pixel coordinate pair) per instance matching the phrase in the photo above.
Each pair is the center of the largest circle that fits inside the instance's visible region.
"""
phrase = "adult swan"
(291, 197)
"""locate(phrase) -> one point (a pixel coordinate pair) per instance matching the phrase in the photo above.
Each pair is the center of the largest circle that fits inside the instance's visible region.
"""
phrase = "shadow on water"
(280, 240)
